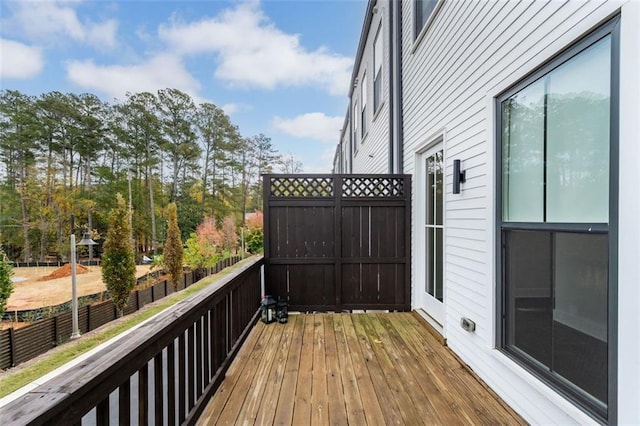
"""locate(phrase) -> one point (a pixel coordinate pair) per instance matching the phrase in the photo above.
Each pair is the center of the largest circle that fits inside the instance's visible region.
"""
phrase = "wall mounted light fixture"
(458, 176)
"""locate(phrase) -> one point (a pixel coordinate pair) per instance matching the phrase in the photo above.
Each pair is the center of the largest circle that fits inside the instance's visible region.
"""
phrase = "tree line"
(64, 154)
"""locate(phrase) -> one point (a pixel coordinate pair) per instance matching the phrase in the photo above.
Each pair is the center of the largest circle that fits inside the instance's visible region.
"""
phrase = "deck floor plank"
(251, 350)
(433, 390)
(457, 380)
(352, 369)
(302, 399)
(249, 410)
(353, 385)
(243, 380)
(284, 409)
(386, 398)
(429, 401)
(335, 388)
(272, 389)
(319, 396)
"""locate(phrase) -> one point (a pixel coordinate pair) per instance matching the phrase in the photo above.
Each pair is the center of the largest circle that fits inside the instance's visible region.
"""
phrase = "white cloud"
(158, 72)
(313, 125)
(253, 52)
(18, 60)
(102, 34)
(48, 21)
(232, 108)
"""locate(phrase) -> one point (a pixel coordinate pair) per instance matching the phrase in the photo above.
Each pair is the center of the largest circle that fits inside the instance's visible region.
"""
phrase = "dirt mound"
(64, 271)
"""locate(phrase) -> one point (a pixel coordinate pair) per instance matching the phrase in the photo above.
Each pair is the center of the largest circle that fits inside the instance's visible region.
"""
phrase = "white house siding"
(372, 155)
(470, 53)
(345, 147)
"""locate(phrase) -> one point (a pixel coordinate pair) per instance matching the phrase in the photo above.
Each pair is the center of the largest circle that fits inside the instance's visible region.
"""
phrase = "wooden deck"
(357, 369)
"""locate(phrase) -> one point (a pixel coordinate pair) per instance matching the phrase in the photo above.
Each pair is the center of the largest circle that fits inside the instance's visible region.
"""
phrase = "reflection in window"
(363, 99)
(423, 10)
(377, 69)
(433, 224)
(555, 143)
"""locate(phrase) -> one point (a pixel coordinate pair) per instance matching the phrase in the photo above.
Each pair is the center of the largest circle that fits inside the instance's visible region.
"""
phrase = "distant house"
(537, 254)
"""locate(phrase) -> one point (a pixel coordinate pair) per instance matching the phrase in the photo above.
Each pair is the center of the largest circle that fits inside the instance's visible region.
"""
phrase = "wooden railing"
(164, 372)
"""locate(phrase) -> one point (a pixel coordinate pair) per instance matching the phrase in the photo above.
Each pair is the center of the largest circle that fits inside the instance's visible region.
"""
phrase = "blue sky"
(278, 67)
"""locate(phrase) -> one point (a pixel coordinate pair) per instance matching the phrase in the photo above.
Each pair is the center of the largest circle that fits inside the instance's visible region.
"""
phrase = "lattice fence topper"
(301, 187)
(382, 187)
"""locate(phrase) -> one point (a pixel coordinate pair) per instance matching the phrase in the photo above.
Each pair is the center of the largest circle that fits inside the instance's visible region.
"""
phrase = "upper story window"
(355, 126)
(377, 69)
(363, 98)
(423, 11)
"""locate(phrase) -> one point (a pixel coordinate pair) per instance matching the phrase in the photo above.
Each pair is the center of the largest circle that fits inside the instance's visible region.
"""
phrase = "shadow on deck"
(351, 369)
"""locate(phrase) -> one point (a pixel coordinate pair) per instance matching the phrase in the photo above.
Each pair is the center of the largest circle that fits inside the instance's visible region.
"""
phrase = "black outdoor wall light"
(458, 176)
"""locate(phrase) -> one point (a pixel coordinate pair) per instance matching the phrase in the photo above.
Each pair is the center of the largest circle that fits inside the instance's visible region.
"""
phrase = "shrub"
(173, 251)
(6, 285)
(118, 259)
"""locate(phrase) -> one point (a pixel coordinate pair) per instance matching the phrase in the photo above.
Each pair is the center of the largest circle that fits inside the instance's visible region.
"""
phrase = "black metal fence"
(164, 373)
(22, 344)
(338, 242)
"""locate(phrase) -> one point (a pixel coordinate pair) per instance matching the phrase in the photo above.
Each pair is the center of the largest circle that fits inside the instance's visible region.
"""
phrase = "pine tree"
(118, 261)
(173, 251)
(6, 285)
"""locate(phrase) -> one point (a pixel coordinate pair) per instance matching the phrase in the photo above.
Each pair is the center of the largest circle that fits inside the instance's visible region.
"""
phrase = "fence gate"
(338, 242)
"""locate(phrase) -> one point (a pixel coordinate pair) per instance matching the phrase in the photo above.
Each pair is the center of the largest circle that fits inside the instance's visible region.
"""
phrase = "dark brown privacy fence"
(338, 242)
(164, 373)
(22, 344)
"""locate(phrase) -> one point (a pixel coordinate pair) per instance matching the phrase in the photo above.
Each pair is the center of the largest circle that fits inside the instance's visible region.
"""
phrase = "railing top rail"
(95, 376)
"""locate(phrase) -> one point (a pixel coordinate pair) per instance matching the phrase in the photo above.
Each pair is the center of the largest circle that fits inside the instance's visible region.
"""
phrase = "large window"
(557, 220)
(377, 69)
(423, 10)
(363, 99)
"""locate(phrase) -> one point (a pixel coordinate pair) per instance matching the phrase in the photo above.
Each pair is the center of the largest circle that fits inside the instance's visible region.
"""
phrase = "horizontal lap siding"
(470, 50)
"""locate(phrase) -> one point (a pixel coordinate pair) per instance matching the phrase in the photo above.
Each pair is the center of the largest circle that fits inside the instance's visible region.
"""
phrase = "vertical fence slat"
(171, 384)
(102, 413)
(199, 357)
(124, 403)
(191, 366)
(181, 379)
(158, 388)
(143, 395)
(206, 345)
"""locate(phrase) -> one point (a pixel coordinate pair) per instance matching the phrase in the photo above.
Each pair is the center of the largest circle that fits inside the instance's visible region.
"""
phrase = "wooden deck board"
(351, 369)
(337, 410)
(350, 389)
